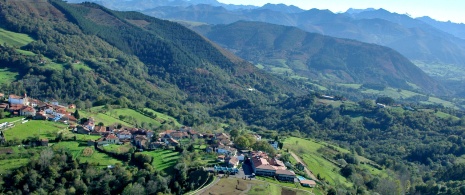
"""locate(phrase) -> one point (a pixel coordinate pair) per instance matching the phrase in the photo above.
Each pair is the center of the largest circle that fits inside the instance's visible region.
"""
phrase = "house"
(233, 162)
(15, 109)
(90, 124)
(109, 139)
(124, 134)
(141, 141)
(27, 111)
(172, 142)
(274, 144)
(54, 102)
(2, 96)
(379, 105)
(240, 157)
(285, 175)
(41, 116)
(72, 106)
(14, 99)
(264, 165)
(4, 106)
(82, 130)
(100, 130)
(257, 137)
(308, 183)
(44, 142)
(220, 158)
(327, 97)
(265, 170)
(227, 150)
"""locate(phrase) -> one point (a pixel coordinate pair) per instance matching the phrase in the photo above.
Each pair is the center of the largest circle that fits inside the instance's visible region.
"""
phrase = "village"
(230, 160)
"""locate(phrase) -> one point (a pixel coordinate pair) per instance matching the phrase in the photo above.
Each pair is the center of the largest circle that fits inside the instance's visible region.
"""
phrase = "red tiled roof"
(266, 167)
(12, 96)
(111, 137)
(28, 109)
(309, 182)
(284, 172)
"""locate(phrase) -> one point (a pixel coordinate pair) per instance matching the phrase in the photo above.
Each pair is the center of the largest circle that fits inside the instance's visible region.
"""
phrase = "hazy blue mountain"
(314, 56)
(282, 8)
(415, 39)
(138, 5)
(455, 29)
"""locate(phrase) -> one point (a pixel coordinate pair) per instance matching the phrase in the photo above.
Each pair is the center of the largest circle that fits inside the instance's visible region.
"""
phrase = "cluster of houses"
(36, 109)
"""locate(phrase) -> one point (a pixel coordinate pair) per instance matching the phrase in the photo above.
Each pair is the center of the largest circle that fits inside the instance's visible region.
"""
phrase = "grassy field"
(14, 39)
(105, 119)
(34, 128)
(163, 160)
(120, 149)
(163, 116)
(10, 119)
(7, 76)
(315, 162)
(76, 148)
(232, 186)
(11, 164)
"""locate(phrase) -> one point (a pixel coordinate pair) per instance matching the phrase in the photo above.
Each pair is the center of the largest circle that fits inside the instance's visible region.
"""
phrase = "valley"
(227, 99)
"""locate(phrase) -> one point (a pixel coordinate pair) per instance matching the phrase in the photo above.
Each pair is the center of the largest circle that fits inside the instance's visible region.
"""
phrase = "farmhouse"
(28, 111)
(141, 141)
(109, 139)
(227, 150)
(285, 175)
(264, 165)
(14, 99)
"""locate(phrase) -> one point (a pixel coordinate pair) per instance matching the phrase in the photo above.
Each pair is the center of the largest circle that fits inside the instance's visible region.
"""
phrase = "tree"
(88, 104)
(76, 114)
(385, 100)
(242, 142)
(234, 133)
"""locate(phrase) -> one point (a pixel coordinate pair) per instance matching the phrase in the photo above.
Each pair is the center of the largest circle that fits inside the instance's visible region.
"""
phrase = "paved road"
(309, 173)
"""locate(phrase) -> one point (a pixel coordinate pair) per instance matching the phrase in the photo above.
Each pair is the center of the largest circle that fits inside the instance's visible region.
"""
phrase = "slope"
(133, 56)
(315, 56)
(417, 42)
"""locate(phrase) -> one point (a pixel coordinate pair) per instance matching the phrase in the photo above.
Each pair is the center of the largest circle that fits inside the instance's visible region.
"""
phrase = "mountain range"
(413, 38)
(318, 57)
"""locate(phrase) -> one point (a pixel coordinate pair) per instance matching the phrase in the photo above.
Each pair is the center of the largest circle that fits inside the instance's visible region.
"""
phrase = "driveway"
(309, 173)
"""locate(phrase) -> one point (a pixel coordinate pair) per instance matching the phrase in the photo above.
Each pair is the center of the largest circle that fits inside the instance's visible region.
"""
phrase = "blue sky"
(442, 10)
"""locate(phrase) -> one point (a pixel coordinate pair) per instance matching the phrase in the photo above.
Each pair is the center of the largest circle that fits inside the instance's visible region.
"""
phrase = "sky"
(442, 10)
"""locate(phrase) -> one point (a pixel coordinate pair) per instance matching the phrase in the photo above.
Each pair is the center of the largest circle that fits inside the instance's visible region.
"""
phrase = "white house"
(124, 134)
(226, 150)
(274, 144)
(14, 99)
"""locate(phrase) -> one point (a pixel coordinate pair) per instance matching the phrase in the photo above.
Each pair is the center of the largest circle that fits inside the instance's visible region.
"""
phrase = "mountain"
(414, 39)
(316, 56)
(455, 29)
(87, 52)
(138, 5)
(282, 8)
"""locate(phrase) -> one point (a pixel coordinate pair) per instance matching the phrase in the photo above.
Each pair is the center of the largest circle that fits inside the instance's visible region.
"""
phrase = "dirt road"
(309, 173)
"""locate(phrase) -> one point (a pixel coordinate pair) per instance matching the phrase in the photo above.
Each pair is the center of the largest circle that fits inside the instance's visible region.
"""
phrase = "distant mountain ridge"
(315, 56)
(426, 42)
(413, 38)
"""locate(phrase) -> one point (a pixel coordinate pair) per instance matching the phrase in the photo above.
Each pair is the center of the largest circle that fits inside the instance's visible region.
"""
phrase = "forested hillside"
(128, 56)
(315, 56)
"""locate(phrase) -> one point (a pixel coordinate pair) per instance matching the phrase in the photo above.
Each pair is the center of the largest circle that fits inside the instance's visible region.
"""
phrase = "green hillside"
(292, 52)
